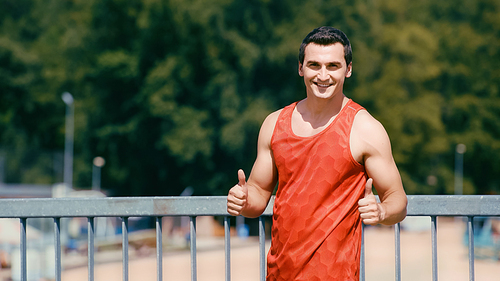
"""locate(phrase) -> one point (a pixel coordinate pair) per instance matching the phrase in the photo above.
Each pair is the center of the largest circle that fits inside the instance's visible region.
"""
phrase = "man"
(325, 152)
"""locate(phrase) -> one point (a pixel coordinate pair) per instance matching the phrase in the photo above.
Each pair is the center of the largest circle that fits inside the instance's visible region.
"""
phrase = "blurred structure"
(98, 163)
(69, 139)
(459, 168)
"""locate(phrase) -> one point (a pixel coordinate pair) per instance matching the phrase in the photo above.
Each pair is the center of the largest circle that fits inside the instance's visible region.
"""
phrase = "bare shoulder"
(270, 121)
(365, 122)
(267, 128)
(272, 118)
(368, 137)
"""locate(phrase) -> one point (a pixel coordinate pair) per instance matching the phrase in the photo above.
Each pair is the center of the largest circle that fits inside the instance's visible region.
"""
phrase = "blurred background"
(166, 98)
(171, 94)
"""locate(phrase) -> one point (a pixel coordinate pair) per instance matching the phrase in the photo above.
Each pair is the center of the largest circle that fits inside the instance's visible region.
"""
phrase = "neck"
(324, 107)
(319, 112)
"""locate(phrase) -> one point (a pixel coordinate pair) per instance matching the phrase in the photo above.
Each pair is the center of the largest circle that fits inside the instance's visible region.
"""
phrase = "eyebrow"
(328, 63)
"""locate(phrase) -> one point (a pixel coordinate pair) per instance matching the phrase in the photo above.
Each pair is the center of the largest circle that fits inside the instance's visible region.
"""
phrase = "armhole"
(275, 127)
(278, 118)
(354, 161)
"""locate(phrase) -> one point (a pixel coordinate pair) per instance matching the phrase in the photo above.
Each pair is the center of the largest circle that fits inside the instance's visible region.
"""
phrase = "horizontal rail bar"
(454, 205)
(418, 205)
(115, 207)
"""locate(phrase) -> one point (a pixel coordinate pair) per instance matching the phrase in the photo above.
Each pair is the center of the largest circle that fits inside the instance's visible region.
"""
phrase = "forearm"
(393, 210)
(256, 202)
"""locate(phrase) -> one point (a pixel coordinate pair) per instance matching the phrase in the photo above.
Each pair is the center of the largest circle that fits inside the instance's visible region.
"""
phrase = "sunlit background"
(151, 97)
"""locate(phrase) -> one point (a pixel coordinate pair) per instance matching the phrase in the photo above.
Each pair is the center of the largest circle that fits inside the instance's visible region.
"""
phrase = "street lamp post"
(459, 168)
(69, 140)
(2, 169)
(98, 163)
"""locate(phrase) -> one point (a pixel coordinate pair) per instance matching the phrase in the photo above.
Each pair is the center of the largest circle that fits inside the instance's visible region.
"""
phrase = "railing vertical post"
(57, 247)
(192, 237)
(159, 249)
(397, 247)
(24, 269)
(362, 254)
(227, 247)
(90, 250)
(262, 248)
(470, 231)
(434, 248)
(125, 248)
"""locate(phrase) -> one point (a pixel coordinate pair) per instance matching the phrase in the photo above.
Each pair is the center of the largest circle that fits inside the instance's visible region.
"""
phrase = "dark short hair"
(325, 36)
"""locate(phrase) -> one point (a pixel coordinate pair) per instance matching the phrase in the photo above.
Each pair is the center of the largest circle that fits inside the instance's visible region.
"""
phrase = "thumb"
(242, 180)
(368, 187)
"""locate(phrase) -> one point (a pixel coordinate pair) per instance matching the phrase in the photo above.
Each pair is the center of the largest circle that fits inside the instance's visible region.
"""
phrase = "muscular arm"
(371, 146)
(250, 198)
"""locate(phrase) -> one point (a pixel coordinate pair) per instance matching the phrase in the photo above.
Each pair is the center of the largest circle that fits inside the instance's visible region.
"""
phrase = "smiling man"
(326, 152)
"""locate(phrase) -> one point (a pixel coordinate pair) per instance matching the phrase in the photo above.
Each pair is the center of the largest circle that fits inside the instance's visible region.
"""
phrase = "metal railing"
(159, 207)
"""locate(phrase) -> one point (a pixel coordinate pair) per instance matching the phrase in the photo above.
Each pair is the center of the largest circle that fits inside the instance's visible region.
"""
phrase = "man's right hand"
(237, 197)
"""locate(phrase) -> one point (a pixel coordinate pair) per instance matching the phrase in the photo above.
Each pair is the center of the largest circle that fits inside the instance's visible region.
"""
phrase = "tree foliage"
(172, 93)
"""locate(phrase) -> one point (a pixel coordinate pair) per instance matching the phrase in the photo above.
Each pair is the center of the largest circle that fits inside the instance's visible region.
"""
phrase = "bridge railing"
(159, 207)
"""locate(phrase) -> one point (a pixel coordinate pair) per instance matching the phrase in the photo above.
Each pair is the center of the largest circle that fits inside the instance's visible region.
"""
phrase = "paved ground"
(415, 256)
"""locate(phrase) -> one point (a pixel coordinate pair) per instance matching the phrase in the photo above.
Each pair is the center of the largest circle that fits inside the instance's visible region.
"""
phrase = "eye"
(333, 66)
(313, 65)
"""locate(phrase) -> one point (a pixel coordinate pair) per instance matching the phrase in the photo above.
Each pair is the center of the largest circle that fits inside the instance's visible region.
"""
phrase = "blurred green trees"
(172, 93)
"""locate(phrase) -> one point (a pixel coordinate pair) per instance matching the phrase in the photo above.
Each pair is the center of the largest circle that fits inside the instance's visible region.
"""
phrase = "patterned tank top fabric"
(315, 210)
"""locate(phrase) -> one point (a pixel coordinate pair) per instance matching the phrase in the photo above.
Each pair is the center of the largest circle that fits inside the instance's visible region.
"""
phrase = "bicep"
(378, 160)
(264, 176)
(385, 175)
(264, 173)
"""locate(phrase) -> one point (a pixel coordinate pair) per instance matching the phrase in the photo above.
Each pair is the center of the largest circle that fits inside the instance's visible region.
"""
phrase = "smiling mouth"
(322, 85)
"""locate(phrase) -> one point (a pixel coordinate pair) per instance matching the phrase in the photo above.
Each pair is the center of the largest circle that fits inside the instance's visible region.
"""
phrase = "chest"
(303, 126)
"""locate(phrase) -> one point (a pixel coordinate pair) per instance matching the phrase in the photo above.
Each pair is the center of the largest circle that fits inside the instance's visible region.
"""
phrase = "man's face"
(324, 70)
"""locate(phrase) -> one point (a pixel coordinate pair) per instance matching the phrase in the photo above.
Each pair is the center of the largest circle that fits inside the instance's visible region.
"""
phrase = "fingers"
(242, 181)
(369, 187)
(237, 196)
(370, 220)
(369, 198)
(368, 206)
(234, 208)
(241, 177)
(370, 214)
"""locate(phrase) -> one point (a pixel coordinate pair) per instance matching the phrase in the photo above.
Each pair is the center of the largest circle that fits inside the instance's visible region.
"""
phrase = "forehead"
(324, 53)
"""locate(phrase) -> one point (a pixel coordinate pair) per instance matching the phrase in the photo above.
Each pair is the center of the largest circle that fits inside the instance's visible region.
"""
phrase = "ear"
(348, 72)
(301, 73)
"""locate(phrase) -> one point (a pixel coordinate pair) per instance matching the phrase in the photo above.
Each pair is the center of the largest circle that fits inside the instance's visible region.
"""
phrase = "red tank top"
(316, 232)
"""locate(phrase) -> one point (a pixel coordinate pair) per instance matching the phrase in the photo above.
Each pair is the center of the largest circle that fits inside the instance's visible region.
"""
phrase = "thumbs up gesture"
(237, 197)
(370, 211)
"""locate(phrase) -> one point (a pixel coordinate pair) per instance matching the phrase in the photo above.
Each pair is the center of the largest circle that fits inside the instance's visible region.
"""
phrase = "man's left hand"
(370, 210)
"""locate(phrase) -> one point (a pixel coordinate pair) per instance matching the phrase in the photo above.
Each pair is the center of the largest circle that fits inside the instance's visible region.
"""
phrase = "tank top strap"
(284, 118)
(283, 123)
(350, 111)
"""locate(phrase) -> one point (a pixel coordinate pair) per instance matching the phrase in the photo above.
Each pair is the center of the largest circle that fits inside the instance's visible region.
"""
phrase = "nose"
(323, 74)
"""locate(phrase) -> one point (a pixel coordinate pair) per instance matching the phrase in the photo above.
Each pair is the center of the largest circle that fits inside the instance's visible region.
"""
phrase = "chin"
(325, 95)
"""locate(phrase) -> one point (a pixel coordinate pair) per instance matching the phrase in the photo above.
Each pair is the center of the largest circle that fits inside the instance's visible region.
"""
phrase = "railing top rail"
(418, 205)
(454, 205)
(113, 207)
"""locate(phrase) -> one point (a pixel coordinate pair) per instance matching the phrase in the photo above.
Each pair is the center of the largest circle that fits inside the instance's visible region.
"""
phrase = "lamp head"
(67, 98)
